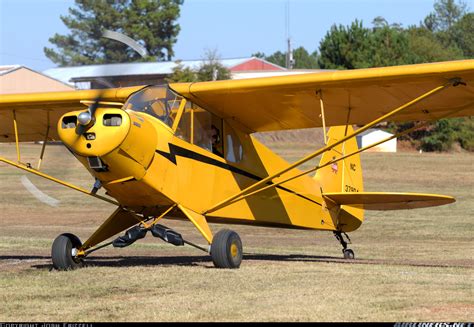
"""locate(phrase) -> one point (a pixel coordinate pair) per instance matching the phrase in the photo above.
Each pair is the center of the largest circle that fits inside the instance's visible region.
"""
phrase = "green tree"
(388, 46)
(463, 35)
(443, 22)
(423, 46)
(151, 23)
(258, 54)
(446, 14)
(305, 60)
(356, 46)
(440, 136)
(211, 69)
(182, 74)
(346, 47)
(278, 58)
(465, 133)
(446, 34)
(443, 133)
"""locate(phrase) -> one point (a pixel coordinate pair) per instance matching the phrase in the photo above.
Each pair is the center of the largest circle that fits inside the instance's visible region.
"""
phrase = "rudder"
(342, 176)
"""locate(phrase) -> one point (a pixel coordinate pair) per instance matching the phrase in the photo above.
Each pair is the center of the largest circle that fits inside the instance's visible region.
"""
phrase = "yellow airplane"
(186, 150)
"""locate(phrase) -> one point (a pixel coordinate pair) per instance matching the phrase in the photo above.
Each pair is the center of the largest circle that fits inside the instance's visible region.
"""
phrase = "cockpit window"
(157, 101)
(200, 127)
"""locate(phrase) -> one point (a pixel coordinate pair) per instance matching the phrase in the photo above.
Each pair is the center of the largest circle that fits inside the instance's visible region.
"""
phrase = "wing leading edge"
(36, 111)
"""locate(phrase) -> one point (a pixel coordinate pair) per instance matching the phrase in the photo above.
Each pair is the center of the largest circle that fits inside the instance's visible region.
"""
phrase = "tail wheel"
(63, 252)
(226, 249)
(348, 254)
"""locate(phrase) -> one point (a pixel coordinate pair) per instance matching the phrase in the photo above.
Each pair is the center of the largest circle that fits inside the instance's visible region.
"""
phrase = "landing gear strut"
(225, 250)
(348, 253)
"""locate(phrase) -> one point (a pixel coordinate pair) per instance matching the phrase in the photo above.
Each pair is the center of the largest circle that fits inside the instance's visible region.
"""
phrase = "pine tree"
(151, 23)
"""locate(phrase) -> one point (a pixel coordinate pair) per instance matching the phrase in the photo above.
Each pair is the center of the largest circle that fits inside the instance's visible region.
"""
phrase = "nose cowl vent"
(112, 120)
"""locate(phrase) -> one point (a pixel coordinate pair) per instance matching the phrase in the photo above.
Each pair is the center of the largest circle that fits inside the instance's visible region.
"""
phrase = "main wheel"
(62, 252)
(226, 249)
(348, 254)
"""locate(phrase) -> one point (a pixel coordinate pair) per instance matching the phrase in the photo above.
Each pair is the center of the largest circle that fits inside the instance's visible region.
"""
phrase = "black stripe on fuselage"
(186, 153)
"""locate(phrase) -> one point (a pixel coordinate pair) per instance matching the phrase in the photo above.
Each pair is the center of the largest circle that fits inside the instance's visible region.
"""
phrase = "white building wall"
(376, 136)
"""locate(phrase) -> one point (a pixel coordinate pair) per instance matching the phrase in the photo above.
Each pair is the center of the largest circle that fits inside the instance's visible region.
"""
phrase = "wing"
(389, 201)
(36, 111)
(292, 102)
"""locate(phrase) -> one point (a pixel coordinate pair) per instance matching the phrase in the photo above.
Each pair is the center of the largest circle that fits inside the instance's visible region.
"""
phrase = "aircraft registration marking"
(349, 188)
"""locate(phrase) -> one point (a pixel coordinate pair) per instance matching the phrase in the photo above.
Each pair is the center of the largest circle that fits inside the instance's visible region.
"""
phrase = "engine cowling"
(116, 144)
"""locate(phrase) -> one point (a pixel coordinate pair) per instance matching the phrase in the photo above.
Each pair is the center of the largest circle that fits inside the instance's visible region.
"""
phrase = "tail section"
(342, 176)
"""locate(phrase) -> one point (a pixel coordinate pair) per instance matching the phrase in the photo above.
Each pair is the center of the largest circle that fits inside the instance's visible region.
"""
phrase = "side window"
(201, 128)
(174, 104)
(216, 136)
(202, 122)
(184, 126)
(234, 150)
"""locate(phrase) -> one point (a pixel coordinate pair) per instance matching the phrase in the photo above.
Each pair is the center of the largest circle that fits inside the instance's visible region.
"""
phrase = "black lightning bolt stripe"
(186, 153)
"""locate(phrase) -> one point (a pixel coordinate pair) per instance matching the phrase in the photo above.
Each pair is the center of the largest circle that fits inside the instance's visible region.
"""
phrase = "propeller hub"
(84, 118)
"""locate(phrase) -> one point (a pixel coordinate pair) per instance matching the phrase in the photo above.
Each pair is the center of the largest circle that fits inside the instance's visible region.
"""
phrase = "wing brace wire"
(229, 200)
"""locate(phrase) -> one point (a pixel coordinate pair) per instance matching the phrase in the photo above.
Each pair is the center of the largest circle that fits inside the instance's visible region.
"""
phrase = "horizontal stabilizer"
(388, 201)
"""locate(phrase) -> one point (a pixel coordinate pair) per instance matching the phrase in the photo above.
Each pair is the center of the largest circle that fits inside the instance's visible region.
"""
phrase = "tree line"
(447, 33)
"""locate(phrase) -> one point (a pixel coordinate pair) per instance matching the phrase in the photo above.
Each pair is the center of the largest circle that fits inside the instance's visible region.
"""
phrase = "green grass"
(412, 265)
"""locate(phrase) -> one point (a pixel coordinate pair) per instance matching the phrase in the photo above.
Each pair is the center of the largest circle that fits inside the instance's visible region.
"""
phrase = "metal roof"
(67, 74)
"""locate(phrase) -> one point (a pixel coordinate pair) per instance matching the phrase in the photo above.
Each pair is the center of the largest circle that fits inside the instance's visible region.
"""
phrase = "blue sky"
(236, 28)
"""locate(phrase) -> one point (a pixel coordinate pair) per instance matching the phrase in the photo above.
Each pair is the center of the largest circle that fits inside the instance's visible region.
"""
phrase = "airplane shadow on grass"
(185, 260)
(200, 260)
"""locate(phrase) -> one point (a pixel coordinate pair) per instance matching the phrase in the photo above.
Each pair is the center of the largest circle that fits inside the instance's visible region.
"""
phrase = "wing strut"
(323, 118)
(329, 147)
(44, 144)
(409, 130)
(15, 128)
(51, 178)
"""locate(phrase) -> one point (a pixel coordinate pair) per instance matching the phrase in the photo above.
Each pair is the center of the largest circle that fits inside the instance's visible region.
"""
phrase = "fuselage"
(150, 162)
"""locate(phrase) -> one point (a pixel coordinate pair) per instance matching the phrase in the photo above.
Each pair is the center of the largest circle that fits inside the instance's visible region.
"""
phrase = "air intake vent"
(112, 120)
(69, 122)
(97, 164)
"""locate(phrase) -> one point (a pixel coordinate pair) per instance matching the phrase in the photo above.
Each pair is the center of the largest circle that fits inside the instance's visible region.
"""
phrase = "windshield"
(157, 101)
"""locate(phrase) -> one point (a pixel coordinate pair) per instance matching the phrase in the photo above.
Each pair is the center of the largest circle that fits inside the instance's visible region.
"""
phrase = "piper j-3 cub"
(186, 150)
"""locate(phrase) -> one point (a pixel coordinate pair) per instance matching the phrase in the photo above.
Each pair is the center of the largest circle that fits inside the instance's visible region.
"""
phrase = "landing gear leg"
(348, 253)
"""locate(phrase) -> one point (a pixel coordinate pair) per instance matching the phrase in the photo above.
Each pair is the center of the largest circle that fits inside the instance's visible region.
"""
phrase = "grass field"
(414, 265)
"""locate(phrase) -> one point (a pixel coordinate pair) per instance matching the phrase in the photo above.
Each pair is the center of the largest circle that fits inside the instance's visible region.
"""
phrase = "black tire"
(61, 252)
(226, 249)
(348, 254)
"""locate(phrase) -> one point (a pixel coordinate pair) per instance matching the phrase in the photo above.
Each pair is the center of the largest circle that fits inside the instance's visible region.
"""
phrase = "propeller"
(86, 119)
